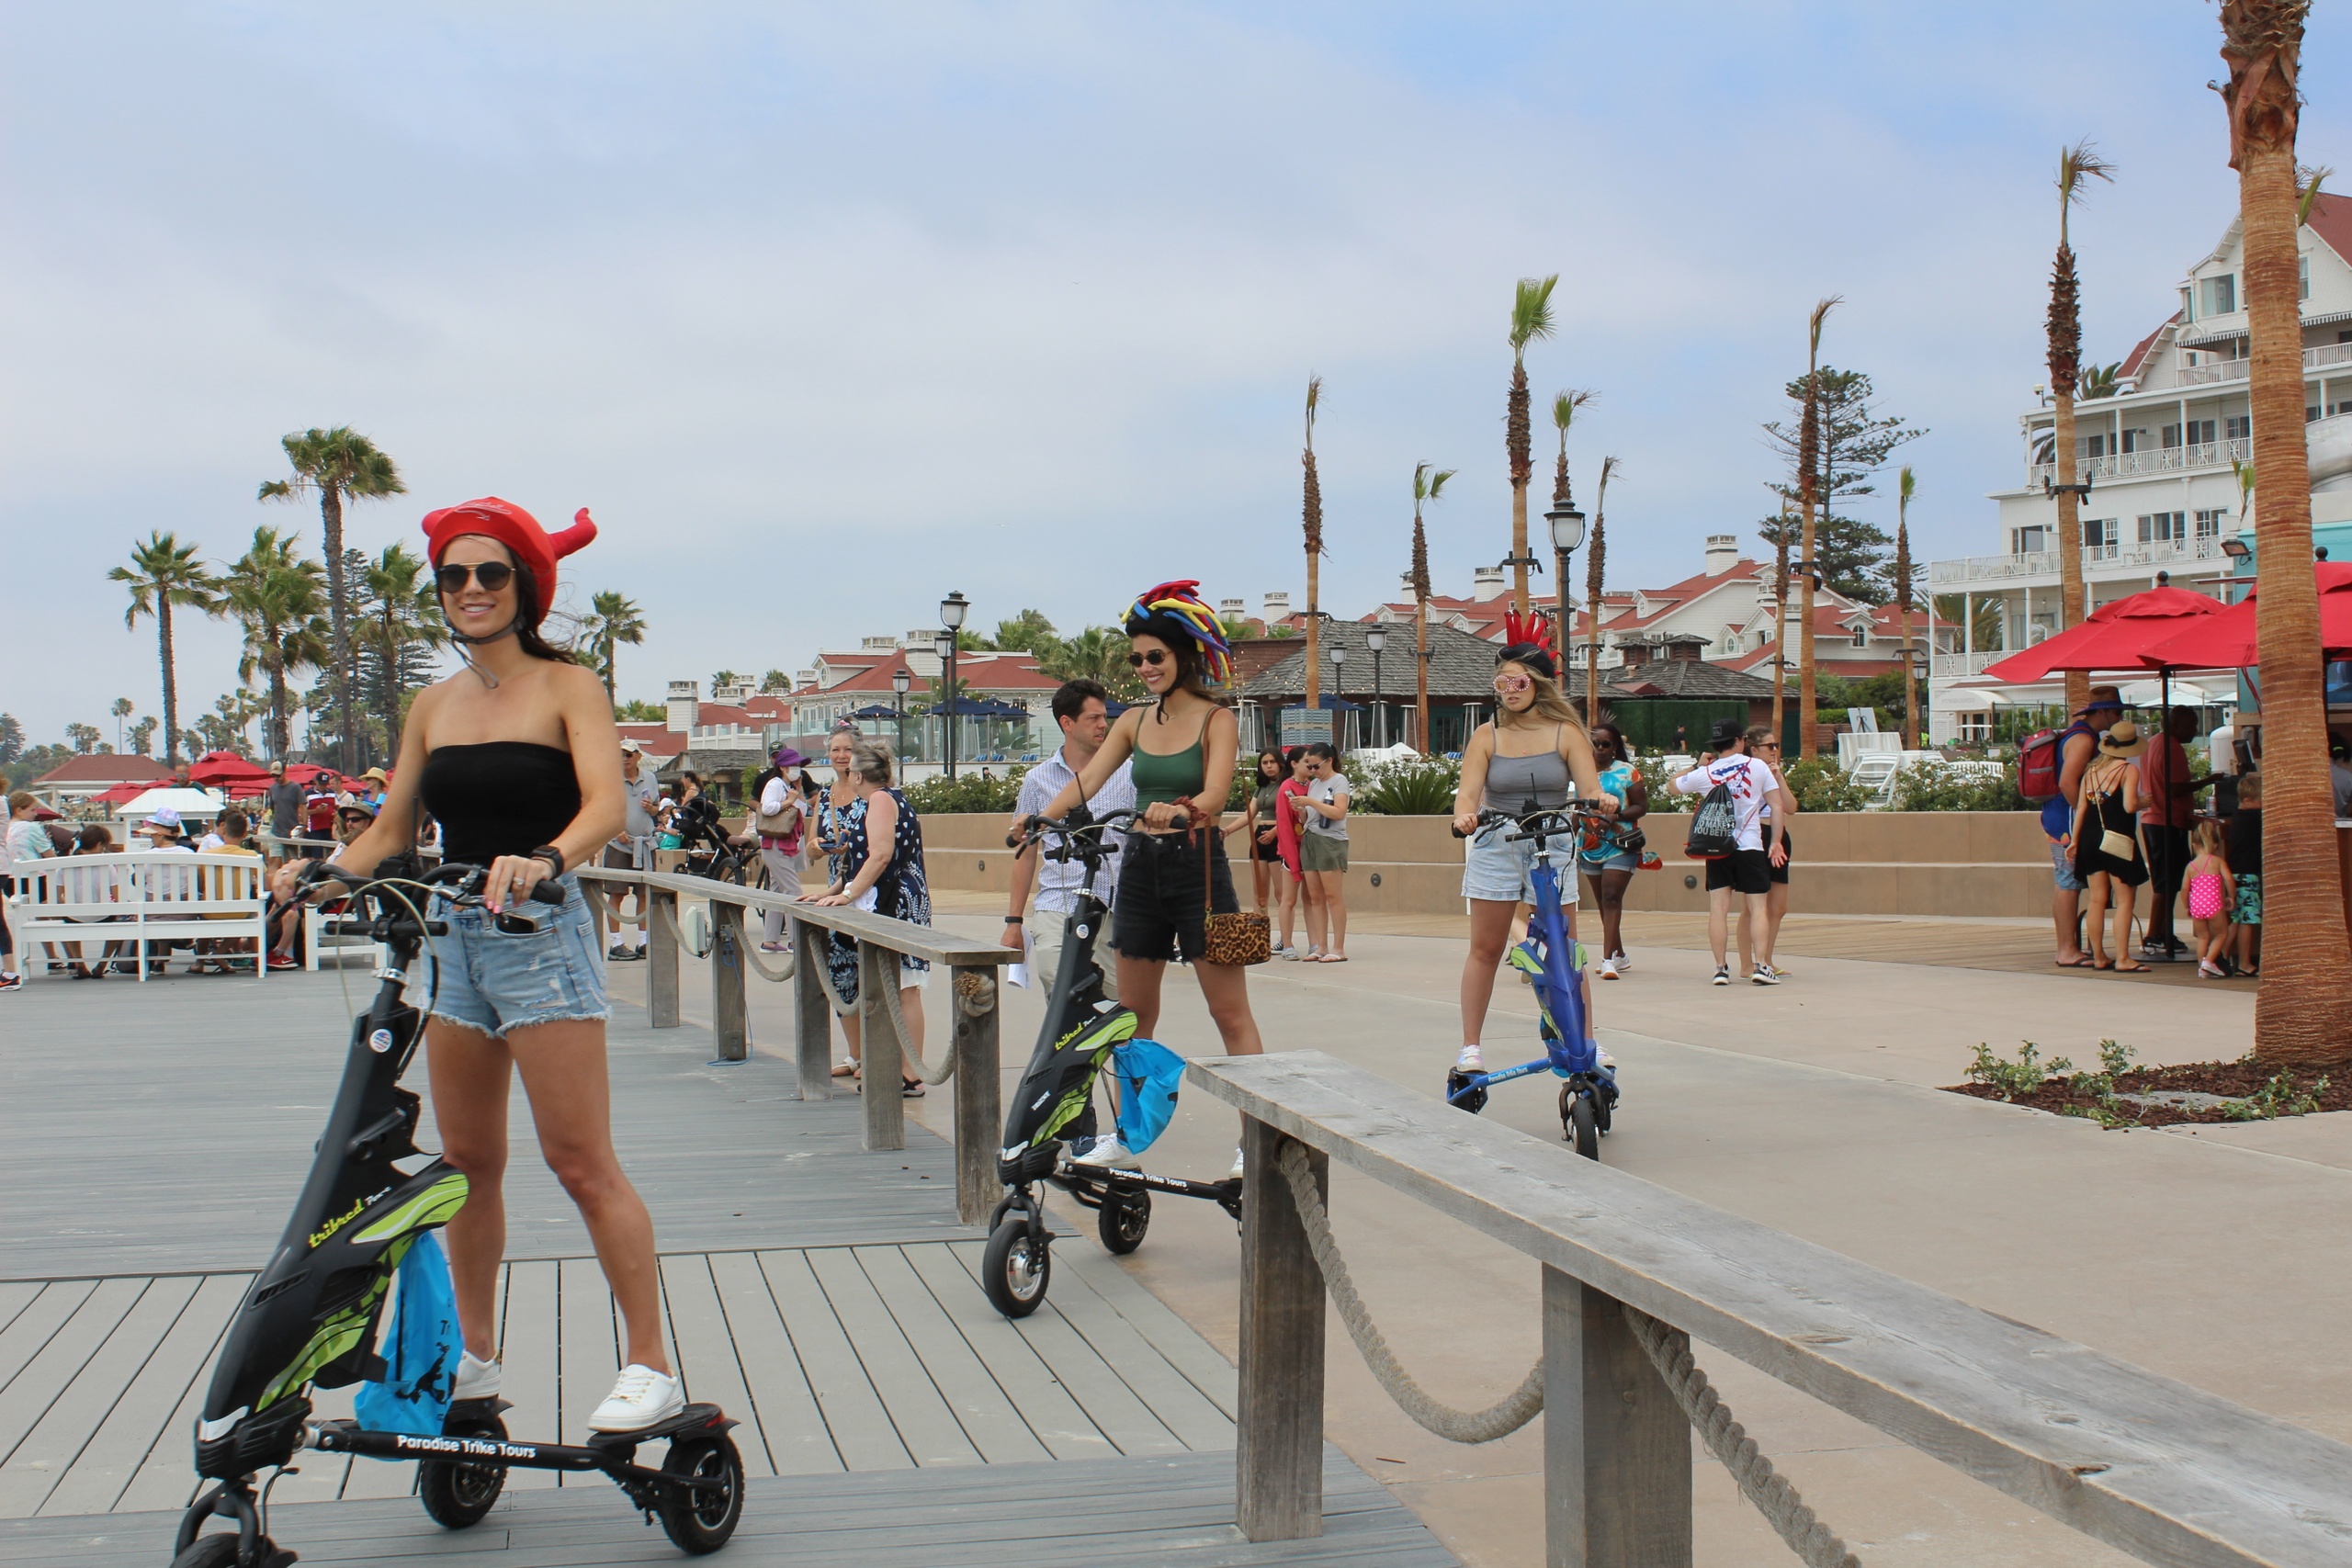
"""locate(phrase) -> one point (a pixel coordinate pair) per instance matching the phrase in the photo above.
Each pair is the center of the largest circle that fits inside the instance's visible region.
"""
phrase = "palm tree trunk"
(171, 682)
(1421, 680)
(2070, 531)
(1314, 628)
(1780, 627)
(2303, 1012)
(1519, 437)
(338, 608)
(1808, 489)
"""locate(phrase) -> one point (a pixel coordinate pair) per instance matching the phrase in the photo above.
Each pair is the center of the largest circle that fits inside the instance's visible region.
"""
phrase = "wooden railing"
(979, 1119)
(2166, 1472)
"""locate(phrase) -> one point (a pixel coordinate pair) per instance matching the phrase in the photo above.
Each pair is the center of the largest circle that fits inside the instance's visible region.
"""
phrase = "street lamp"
(901, 679)
(1375, 637)
(1339, 693)
(1568, 532)
(944, 642)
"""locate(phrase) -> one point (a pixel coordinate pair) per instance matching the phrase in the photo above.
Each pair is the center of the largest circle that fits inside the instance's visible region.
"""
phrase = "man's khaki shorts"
(1046, 952)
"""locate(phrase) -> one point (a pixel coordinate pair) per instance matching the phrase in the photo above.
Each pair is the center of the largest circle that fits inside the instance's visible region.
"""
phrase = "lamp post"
(901, 679)
(1375, 637)
(1916, 666)
(951, 610)
(1567, 532)
(1339, 691)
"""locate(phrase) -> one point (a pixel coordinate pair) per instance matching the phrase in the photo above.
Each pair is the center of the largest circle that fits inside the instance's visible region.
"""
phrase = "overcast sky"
(826, 311)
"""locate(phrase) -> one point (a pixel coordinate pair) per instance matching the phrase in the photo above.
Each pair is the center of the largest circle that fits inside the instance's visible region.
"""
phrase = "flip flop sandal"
(845, 1069)
(2073, 963)
(2130, 968)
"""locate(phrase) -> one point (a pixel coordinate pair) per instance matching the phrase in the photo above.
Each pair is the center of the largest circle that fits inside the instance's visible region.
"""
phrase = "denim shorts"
(1500, 870)
(494, 981)
(1166, 886)
(2062, 866)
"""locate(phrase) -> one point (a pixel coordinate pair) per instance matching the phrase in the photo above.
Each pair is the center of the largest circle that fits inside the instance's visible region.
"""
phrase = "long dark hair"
(1282, 768)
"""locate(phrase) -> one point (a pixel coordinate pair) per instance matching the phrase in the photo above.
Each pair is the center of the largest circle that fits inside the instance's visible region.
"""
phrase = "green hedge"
(1936, 787)
(968, 793)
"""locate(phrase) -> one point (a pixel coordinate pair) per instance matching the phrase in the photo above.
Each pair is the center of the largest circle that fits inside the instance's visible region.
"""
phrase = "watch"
(550, 854)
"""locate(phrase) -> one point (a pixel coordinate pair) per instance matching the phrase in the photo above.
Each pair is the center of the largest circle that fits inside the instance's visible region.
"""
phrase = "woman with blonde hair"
(879, 869)
(1525, 759)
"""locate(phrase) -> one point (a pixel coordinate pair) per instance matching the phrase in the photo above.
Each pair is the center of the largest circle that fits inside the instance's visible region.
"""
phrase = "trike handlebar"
(1544, 822)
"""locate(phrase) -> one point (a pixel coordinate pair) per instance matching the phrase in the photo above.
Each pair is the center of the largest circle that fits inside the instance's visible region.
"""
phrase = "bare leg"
(911, 1009)
(1333, 885)
(1776, 909)
(1226, 988)
(1261, 880)
(2094, 904)
(1719, 923)
(2125, 896)
(1609, 891)
(2065, 913)
(1491, 922)
(853, 1021)
(564, 1072)
(1139, 981)
(1310, 888)
(469, 1073)
(1286, 889)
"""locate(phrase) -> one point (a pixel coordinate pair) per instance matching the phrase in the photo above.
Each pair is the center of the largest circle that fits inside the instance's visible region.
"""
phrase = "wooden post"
(1279, 1452)
(661, 960)
(979, 1100)
(1616, 1448)
(812, 1013)
(727, 1020)
(884, 1059)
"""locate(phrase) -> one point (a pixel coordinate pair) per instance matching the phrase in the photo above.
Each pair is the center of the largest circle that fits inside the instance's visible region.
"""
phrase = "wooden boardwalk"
(1172, 1512)
(152, 1138)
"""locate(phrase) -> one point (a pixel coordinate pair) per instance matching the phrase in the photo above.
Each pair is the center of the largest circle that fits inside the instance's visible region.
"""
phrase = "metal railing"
(972, 1005)
(1633, 1273)
(1952, 664)
(2148, 461)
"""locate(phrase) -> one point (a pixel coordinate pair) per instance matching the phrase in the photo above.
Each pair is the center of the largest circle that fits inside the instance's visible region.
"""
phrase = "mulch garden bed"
(2234, 1081)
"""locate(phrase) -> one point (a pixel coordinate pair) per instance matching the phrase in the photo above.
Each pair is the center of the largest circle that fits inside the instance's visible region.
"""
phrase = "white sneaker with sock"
(1609, 969)
(1235, 1173)
(476, 1378)
(642, 1398)
(1107, 1151)
(1471, 1060)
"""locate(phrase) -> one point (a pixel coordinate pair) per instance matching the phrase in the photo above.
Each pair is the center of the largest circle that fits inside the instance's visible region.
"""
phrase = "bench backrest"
(141, 884)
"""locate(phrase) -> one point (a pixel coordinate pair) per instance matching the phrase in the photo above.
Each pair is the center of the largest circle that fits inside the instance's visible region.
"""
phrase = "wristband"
(1012, 920)
(550, 854)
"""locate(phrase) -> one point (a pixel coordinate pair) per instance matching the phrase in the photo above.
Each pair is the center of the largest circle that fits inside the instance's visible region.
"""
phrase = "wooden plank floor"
(165, 1128)
(835, 1360)
(1174, 1511)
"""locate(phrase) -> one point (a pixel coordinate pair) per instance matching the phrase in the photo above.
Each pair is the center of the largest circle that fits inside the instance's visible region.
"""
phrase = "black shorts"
(2168, 856)
(1742, 871)
(1159, 913)
(1271, 854)
(1780, 874)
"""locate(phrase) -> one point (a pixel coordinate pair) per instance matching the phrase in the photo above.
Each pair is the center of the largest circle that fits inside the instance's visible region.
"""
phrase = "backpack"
(2041, 759)
(1715, 826)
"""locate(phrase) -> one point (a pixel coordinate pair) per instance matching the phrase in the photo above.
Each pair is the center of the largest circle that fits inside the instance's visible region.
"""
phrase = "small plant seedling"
(2115, 1060)
(2276, 1098)
(2021, 1076)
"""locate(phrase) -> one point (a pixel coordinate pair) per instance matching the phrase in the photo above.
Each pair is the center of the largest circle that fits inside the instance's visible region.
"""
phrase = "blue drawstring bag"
(1149, 1075)
(421, 1370)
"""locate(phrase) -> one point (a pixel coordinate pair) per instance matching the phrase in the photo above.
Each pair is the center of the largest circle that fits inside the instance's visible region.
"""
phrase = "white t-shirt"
(1332, 791)
(29, 841)
(1750, 780)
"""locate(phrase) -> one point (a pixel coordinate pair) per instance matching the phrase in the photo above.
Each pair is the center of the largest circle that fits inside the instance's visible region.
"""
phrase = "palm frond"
(1821, 313)
(1564, 406)
(2077, 163)
(1436, 481)
(1906, 485)
(1530, 311)
(2311, 179)
(1314, 401)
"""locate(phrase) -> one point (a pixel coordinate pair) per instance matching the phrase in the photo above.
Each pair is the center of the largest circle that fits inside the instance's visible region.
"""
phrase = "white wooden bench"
(144, 899)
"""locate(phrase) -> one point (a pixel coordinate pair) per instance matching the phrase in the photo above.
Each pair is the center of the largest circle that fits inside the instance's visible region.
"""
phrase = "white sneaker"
(1609, 969)
(1107, 1151)
(1622, 960)
(476, 1378)
(1602, 1052)
(642, 1398)
(1722, 976)
(1471, 1060)
(1235, 1174)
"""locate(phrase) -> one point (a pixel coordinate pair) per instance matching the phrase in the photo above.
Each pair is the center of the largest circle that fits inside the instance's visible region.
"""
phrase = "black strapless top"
(502, 797)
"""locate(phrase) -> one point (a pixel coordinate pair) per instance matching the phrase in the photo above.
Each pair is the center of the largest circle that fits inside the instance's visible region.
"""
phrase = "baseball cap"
(1727, 732)
(632, 747)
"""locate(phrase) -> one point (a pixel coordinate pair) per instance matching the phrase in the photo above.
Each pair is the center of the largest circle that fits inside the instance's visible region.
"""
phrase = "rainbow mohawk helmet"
(1173, 609)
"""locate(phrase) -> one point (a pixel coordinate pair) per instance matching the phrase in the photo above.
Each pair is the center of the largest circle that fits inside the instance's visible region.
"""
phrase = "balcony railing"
(1957, 664)
(2107, 559)
(2150, 460)
(2320, 359)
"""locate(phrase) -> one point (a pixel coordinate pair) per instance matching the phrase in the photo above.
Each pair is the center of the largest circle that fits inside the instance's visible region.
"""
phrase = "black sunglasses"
(492, 575)
(1157, 657)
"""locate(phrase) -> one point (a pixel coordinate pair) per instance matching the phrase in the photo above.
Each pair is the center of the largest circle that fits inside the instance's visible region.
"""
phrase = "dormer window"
(1862, 637)
(2187, 303)
(2221, 295)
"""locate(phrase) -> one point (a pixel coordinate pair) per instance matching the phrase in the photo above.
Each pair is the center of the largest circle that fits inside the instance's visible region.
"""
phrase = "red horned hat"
(535, 549)
(1534, 629)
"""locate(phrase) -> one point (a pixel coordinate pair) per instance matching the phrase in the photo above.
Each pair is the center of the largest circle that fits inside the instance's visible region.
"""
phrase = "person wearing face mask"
(1172, 872)
(517, 757)
(778, 821)
(1525, 759)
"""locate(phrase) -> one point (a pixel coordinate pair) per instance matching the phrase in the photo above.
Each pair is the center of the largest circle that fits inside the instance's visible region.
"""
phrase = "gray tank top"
(1525, 784)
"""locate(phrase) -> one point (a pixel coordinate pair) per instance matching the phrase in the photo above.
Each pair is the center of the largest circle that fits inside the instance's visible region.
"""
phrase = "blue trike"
(1553, 963)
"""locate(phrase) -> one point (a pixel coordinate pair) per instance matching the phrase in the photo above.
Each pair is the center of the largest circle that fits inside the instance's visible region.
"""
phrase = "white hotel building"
(2159, 454)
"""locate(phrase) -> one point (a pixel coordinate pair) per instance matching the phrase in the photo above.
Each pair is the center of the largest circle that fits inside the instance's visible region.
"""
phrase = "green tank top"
(1176, 775)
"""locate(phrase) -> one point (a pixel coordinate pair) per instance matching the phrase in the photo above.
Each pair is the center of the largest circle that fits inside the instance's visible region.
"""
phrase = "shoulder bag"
(1244, 937)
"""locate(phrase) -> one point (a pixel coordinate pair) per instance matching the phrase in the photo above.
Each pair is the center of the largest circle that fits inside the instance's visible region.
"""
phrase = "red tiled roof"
(105, 767)
(767, 705)
(2139, 356)
(2331, 220)
(980, 672)
(654, 739)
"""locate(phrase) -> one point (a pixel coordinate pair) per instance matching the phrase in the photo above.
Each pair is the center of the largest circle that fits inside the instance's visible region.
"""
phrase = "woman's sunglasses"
(1769, 745)
(492, 575)
(1156, 657)
(1512, 683)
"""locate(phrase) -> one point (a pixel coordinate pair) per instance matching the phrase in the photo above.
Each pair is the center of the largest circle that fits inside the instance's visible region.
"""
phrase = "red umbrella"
(226, 768)
(2117, 636)
(115, 795)
(2228, 641)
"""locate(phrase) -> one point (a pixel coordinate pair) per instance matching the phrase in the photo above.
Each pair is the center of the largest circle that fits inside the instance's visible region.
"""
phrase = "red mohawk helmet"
(1527, 639)
(535, 551)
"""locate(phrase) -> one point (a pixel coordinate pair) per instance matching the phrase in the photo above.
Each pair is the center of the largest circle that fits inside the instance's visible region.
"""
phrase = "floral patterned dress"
(902, 893)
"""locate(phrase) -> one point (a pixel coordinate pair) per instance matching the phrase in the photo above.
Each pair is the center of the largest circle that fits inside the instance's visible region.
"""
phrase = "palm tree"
(1593, 567)
(613, 619)
(404, 621)
(2077, 164)
(1098, 653)
(1531, 318)
(85, 738)
(1905, 486)
(339, 464)
(2303, 1015)
(723, 678)
(1426, 486)
(162, 573)
(2098, 380)
(1808, 497)
(123, 708)
(1311, 520)
(279, 599)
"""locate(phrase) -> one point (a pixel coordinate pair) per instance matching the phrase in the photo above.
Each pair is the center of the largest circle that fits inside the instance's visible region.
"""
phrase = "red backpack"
(2041, 759)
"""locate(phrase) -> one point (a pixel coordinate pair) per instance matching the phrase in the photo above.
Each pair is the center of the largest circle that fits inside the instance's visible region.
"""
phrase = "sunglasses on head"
(492, 575)
(1156, 657)
(1512, 683)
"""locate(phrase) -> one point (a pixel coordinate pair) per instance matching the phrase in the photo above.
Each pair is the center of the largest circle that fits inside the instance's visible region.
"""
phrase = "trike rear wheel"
(1579, 1124)
(460, 1495)
(1121, 1220)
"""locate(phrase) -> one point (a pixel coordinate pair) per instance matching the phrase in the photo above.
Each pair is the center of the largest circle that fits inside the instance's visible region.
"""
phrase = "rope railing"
(1669, 1349)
